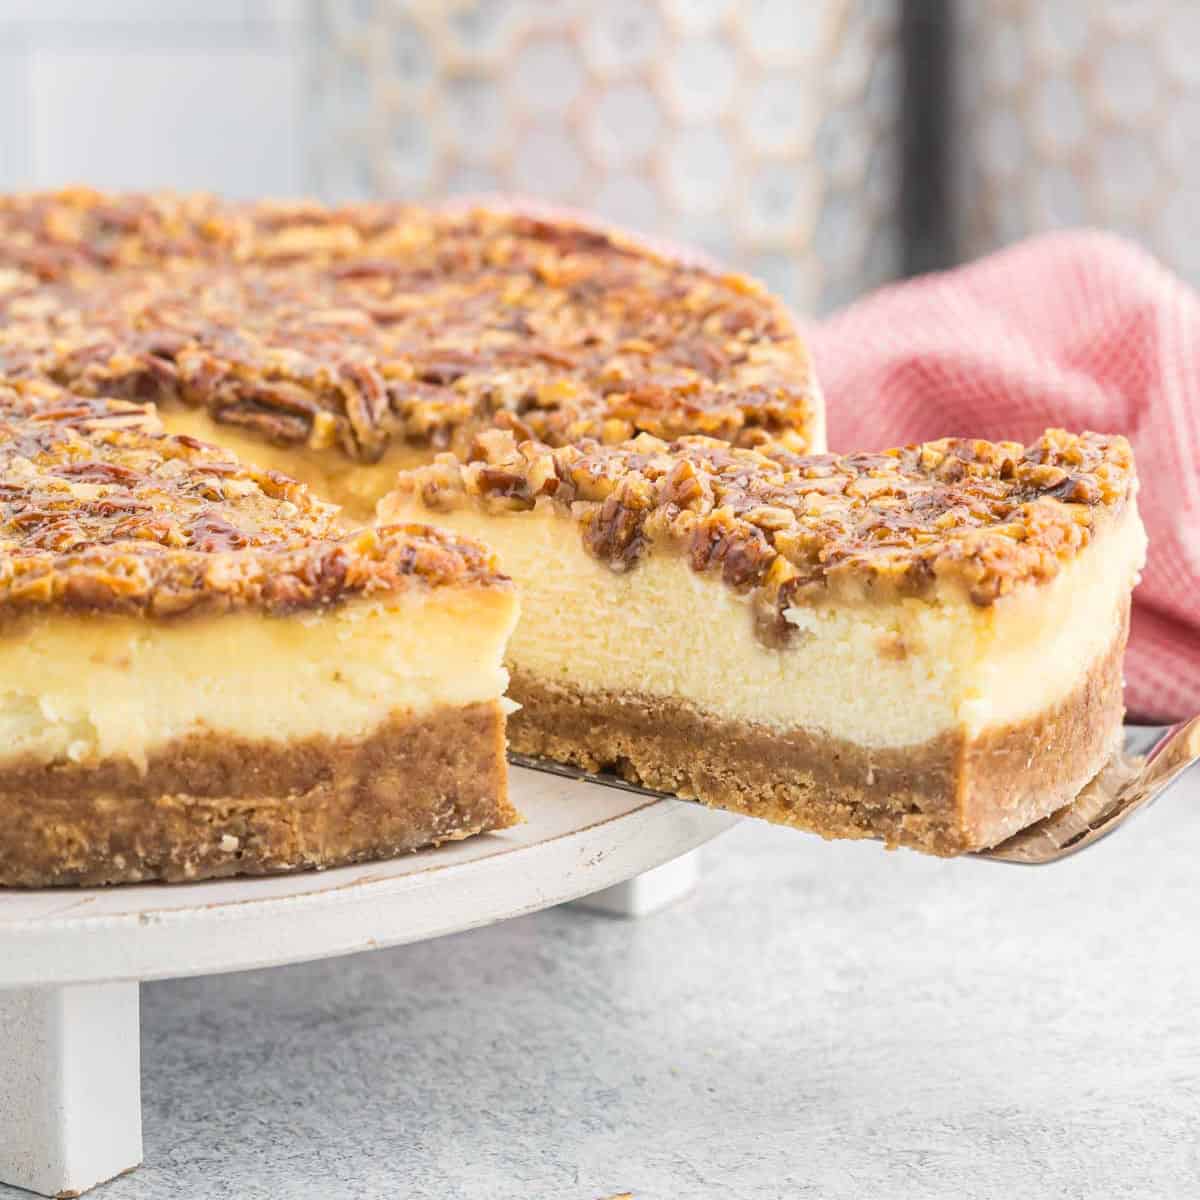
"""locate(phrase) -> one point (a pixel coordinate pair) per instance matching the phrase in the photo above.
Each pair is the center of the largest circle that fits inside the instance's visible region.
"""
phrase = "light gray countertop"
(817, 1020)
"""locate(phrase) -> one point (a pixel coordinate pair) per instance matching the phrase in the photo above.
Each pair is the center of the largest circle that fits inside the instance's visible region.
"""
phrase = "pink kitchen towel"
(1078, 330)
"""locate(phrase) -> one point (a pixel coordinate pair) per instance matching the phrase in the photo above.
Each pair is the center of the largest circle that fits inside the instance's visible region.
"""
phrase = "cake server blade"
(1152, 758)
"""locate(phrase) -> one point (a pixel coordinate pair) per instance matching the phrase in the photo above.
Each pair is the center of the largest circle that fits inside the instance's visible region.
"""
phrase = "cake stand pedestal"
(71, 960)
(70, 1088)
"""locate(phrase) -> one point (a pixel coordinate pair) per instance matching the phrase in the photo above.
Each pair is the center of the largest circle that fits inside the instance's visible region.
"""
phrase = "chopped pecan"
(282, 428)
(614, 533)
(788, 528)
(366, 400)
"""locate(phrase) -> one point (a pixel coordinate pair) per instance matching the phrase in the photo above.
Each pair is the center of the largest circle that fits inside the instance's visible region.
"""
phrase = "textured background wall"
(1080, 114)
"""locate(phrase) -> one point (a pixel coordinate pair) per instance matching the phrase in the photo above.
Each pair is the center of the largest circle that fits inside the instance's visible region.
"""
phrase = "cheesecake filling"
(883, 675)
(121, 688)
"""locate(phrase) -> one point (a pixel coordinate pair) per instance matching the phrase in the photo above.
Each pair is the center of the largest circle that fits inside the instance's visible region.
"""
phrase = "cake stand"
(71, 960)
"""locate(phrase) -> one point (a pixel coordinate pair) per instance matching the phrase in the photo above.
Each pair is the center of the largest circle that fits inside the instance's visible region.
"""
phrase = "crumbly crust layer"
(947, 796)
(346, 329)
(983, 518)
(211, 805)
(102, 512)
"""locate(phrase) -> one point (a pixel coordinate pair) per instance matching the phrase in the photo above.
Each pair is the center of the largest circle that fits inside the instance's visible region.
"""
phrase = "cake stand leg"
(70, 1089)
(648, 892)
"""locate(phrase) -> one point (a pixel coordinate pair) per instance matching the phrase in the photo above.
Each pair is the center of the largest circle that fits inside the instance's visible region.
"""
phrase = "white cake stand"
(71, 960)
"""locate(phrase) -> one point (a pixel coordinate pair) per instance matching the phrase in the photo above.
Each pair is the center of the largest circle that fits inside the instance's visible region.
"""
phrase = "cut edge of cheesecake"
(923, 645)
(204, 675)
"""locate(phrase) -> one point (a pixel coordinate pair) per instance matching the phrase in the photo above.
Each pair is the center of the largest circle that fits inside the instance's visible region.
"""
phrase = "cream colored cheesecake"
(922, 645)
(201, 674)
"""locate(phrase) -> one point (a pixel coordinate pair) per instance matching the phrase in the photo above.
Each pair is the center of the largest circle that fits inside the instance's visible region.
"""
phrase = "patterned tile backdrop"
(764, 130)
(1081, 113)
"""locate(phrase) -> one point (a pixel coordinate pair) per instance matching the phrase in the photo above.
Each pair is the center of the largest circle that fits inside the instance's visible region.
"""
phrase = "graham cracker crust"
(945, 796)
(209, 805)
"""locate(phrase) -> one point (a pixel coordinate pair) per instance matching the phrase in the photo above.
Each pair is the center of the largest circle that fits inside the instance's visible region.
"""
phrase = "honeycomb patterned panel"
(765, 131)
(1081, 114)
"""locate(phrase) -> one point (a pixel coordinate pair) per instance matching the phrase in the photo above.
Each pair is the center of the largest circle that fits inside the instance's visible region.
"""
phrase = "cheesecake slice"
(201, 674)
(343, 344)
(922, 645)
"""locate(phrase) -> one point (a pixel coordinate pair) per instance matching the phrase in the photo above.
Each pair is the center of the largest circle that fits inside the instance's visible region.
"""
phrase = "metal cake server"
(1152, 758)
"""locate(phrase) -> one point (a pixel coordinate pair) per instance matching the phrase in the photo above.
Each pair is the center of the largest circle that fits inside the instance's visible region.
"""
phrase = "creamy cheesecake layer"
(945, 796)
(880, 675)
(355, 486)
(109, 687)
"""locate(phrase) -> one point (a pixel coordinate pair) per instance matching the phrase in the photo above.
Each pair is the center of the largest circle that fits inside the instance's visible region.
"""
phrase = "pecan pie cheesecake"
(342, 344)
(204, 674)
(922, 645)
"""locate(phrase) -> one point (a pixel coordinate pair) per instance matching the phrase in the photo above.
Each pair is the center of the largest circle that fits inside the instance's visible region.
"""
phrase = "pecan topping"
(348, 329)
(791, 529)
(102, 511)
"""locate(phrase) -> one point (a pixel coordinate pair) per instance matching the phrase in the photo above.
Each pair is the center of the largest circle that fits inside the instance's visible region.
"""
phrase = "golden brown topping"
(101, 511)
(354, 327)
(987, 517)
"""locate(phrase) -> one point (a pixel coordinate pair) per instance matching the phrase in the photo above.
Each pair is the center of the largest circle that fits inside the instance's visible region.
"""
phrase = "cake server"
(1150, 760)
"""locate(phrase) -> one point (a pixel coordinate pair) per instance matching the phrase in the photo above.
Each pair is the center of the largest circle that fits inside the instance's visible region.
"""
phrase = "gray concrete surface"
(818, 1020)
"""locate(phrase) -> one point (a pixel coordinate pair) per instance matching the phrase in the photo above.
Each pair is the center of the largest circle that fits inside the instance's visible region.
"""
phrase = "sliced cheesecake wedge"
(922, 645)
(202, 675)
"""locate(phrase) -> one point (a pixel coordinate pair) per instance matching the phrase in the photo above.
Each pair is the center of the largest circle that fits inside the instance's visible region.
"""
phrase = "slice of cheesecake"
(202, 675)
(341, 345)
(922, 645)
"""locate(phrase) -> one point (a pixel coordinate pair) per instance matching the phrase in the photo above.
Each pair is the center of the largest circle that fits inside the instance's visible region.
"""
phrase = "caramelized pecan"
(787, 528)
